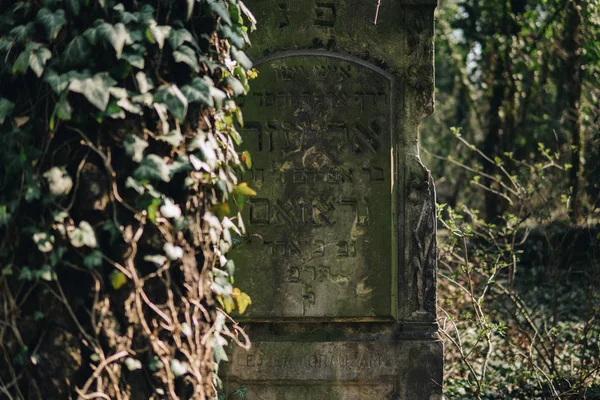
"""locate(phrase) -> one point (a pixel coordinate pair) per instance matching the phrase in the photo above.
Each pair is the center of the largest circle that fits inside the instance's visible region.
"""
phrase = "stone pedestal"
(340, 254)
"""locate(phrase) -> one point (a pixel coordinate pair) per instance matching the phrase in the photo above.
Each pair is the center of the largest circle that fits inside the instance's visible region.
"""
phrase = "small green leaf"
(94, 89)
(38, 59)
(63, 109)
(241, 58)
(152, 167)
(26, 274)
(144, 84)
(74, 6)
(175, 101)
(247, 159)
(244, 189)
(33, 191)
(157, 34)
(178, 37)
(23, 62)
(187, 55)
(221, 10)
(174, 138)
(236, 86)
(217, 96)
(6, 109)
(51, 22)
(198, 91)
(93, 260)
(117, 279)
(135, 59)
(116, 35)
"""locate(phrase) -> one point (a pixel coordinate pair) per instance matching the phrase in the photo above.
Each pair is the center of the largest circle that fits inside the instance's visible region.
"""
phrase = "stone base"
(403, 370)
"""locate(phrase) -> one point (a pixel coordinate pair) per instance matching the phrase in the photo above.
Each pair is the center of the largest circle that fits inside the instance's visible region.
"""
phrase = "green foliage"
(117, 123)
(518, 323)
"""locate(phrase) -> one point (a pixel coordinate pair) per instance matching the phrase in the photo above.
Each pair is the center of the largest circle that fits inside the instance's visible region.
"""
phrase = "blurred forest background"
(514, 146)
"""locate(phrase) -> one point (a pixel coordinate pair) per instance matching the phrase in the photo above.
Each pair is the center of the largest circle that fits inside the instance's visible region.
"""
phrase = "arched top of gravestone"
(323, 53)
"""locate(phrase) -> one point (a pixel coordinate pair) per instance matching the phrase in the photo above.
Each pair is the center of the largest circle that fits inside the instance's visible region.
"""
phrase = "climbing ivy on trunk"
(118, 185)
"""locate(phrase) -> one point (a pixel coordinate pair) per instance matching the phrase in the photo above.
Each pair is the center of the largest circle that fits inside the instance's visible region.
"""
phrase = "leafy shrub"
(520, 302)
(117, 161)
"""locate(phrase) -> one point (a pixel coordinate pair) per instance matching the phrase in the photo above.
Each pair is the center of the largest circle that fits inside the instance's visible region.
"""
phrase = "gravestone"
(339, 259)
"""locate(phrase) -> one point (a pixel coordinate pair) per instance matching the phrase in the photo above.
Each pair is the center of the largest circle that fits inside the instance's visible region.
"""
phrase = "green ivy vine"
(119, 195)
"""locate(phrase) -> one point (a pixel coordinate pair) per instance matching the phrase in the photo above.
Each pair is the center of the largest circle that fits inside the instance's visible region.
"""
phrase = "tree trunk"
(571, 115)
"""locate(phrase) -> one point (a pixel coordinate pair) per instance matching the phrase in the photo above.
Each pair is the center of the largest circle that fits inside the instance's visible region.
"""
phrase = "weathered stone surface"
(319, 128)
(340, 256)
(340, 370)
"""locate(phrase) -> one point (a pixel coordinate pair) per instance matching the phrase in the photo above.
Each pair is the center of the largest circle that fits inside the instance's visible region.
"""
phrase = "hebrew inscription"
(320, 231)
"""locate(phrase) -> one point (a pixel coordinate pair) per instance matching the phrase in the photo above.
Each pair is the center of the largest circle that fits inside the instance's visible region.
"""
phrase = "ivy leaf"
(95, 89)
(174, 138)
(218, 343)
(175, 101)
(241, 58)
(74, 6)
(247, 159)
(26, 274)
(217, 96)
(6, 109)
(77, 53)
(43, 241)
(134, 55)
(35, 57)
(59, 181)
(157, 259)
(170, 210)
(173, 252)
(236, 39)
(33, 192)
(113, 110)
(178, 37)
(220, 9)
(22, 33)
(198, 91)
(132, 364)
(117, 279)
(244, 189)
(116, 35)
(152, 167)
(83, 235)
(134, 147)
(144, 84)
(38, 59)
(242, 299)
(189, 9)
(63, 109)
(157, 34)
(93, 260)
(51, 22)
(236, 86)
(178, 368)
(187, 55)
